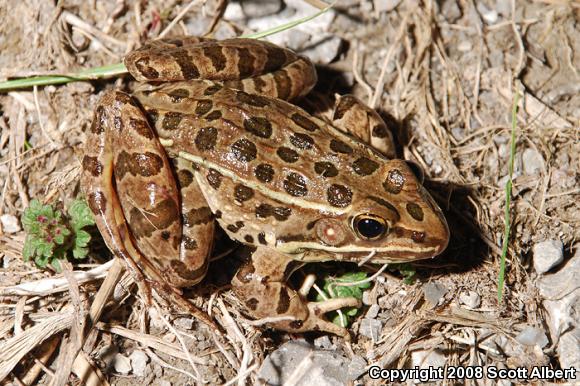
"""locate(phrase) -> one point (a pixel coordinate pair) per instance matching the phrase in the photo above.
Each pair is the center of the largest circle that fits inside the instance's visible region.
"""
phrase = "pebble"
(533, 161)
(324, 368)
(532, 336)
(260, 8)
(385, 5)
(325, 50)
(122, 364)
(139, 362)
(427, 359)
(10, 223)
(323, 342)
(465, 46)
(547, 254)
(568, 351)
(371, 328)
(434, 292)
(489, 15)
(470, 299)
(356, 367)
(185, 323)
(373, 311)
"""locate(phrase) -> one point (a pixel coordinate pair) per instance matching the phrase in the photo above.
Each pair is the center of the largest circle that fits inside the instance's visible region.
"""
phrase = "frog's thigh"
(260, 285)
(147, 191)
(354, 117)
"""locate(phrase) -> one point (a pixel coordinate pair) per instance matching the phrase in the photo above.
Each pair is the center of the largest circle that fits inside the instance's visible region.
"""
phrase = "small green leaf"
(81, 215)
(55, 263)
(80, 253)
(82, 238)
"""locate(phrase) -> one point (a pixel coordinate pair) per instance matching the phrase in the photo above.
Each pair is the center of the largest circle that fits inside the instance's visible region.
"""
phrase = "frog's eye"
(369, 227)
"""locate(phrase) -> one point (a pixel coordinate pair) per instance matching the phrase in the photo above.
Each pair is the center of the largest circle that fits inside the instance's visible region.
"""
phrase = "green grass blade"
(508, 195)
(92, 73)
(119, 68)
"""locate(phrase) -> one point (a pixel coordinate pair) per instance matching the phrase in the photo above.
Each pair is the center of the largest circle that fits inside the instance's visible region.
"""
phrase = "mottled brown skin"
(275, 178)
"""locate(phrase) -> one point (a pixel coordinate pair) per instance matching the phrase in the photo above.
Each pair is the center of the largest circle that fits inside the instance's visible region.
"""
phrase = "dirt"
(446, 91)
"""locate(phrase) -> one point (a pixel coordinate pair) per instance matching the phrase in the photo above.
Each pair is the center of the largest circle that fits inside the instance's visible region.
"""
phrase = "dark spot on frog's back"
(216, 114)
(234, 228)
(185, 178)
(97, 202)
(249, 239)
(189, 243)
(259, 126)
(244, 150)
(98, 121)
(252, 100)
(325, 169)
(203, 106)
(92, 165)
(252, 304)
(212, 89)
(262, 238)
(304, 122)
(161, 216)
(171, 120)
(394, 182)
(264, 172)
(206, 138)
(364, 166)
(217, 57)
(283, 301)
(340, 147)
(415, 211)
(141, 127)
(243, 193)
(287, 155)
(339, 195)
(301, 141)
(295, 185)
(214, 178)
(178, 94)
(197, 216)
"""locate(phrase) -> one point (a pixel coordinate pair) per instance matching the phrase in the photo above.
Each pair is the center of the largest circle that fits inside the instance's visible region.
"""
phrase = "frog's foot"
(316, 321)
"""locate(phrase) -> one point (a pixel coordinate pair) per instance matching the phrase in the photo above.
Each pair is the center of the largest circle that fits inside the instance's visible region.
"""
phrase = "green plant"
(333, 289)
(52, 235)
(406, 270)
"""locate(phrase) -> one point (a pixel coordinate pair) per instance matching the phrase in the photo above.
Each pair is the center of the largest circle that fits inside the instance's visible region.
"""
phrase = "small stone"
(547, 254)
(465, 46)
(321, 367)
(533, 161)
(470, 299)
(356, 367)
(325, 50)
(434, 292)
(367, 298)
(489, 15)
(385, 5)
(122, 364)
(373, 311)
(139, 362)
(163, 382)
(532, 336)
(568, 351)
(185, 323)
(260, 8)
(323, 342)
(427, 359)
(10, 223)
(371, 328)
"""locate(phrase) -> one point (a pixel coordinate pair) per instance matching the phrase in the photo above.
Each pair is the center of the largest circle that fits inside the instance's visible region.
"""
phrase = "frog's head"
(391, 216)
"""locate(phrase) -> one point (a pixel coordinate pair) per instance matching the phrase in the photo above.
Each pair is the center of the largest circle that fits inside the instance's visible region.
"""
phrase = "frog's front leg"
(260, 285)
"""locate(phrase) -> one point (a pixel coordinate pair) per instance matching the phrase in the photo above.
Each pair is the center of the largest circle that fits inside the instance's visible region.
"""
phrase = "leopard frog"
(209, 136)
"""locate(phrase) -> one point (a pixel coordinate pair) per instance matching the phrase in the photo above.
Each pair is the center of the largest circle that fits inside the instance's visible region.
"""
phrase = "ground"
(443, 74)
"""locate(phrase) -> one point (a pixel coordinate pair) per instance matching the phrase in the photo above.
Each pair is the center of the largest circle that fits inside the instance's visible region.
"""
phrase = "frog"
(210, 138)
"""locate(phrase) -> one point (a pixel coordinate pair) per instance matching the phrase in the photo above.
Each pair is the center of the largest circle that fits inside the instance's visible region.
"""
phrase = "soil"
(443, 75)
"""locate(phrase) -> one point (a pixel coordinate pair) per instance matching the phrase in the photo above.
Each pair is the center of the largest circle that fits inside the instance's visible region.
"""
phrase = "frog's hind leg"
(117, 116)
(354, 117)
(261, 285)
